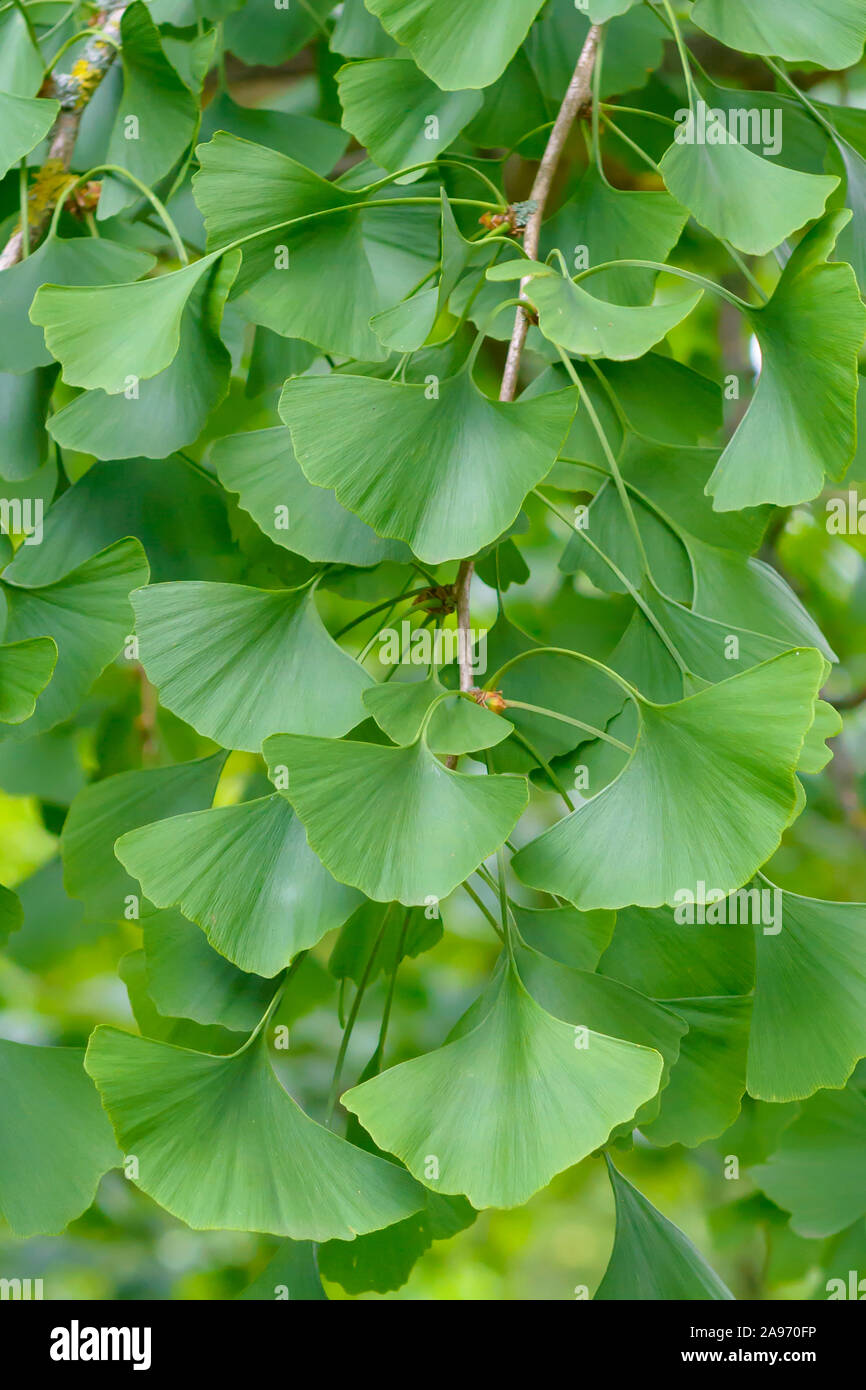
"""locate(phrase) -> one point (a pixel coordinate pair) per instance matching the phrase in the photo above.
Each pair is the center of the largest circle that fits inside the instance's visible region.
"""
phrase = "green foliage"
(430, 573)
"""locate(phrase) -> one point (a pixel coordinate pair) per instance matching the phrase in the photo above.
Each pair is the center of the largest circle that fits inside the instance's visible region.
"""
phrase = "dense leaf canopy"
(430, 566)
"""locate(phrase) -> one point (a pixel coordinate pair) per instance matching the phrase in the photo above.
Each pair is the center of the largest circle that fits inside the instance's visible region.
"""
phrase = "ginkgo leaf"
(830, 33)
(587, 1000)
(456, 725)
(24, 121)
(706, 162)
(293, 1269)
(580, 323)
(651, 1259)
(87, 614)
(705, 795)
(318, 144)
(58, 261)
(186, 978)
(539, 1102)
(612, 224)
(104, 810)
(245, 875)
(708, 1079)
(25, 669)
(261, 467)
(169, 410)
(108, 336)
(816, 1171)
(21, 65)
(163, 110)
(809, 1022)
(240, 663)
(459, 43)
(574, 938)
(652, 951)
(261, 32)
(287, 270)
(398, 114)
(393, 822)
(406, 326)
(222, 1145)
(445, 470)
(827, 724)
(55, 1141)
(812, 328)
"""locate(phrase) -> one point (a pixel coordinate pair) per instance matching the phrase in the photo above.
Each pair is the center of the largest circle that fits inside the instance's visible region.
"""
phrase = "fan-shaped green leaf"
(612, 224)
(809, 1023)
(812, 328)
(107, 809)
(459, 43)
(393, 822)
(261, 467)
(246, 875)
(816, 1170)
(288, 270)
(440, 467)
(55, 1141)
(24, 121)
(186, 978)
(106, 336)
(456, 726)
(166, 411)
(87, 613)
(398, 114)
(58, 261)
(827, 32)
(707, 1082)
(240, 663)
(706, 794)
(162, 107)
(25, 670)
(706, 162)
(539, 1102)
(574, 938)
(580, 323)
(221, 1145)
(651, 1258)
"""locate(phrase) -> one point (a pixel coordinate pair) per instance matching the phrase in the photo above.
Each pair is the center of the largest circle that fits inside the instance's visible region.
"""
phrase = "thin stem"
(567, 719)
(623, 579)
(669, 270)
(379, 607)
(148, 193)
(578, 91)
(542, 763)
(353, 1018)
(611, 460)
(632, 144)
(635, 111)
(691, 90)
(503, 905)
(378, 1055)
(744, 270)
(483, 908)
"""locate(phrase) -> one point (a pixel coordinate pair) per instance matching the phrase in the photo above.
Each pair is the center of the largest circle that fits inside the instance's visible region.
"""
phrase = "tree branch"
(73, 90)
(578, 93)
